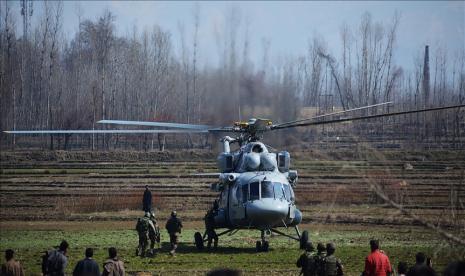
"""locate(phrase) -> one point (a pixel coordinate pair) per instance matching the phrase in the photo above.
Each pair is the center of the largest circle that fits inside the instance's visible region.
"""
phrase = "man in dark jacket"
(57, 260)
(420, 268)
(147, 200)
(87, 266)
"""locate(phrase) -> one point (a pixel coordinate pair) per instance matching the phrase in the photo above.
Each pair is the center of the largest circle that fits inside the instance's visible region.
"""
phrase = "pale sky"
(287, 25)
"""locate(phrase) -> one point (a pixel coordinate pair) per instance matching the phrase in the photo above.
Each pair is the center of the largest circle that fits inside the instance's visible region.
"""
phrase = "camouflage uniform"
(319, 259)
(154, 232)
(307, 261)
(210, 229)
(173, 226)
(332, 265)
(142, 227)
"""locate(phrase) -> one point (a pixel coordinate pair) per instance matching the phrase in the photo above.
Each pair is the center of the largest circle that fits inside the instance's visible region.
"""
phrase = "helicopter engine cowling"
(268, 161)
(252, 161)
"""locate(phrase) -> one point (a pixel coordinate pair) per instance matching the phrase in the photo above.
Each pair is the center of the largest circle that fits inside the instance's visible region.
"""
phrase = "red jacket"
(377, 264)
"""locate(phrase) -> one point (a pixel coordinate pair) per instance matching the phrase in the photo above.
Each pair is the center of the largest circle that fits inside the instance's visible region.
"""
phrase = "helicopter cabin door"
(238, 200)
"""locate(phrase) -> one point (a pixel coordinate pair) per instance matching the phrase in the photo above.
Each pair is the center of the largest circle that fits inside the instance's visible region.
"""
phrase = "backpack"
(53, 263)
(330, 266)
(310, 264)
(142, 225)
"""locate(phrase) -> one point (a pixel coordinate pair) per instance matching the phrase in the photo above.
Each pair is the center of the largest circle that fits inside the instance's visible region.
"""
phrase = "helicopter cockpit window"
(254, 191)
(278, 190)
(289, 194)
(267, 189)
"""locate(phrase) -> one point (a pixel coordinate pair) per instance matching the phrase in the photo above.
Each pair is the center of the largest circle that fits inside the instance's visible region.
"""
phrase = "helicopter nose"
(267, 211)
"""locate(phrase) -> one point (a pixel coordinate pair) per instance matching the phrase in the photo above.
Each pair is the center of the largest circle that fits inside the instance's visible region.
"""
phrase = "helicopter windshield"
(278, 190)
(288, 192)
(267, 189)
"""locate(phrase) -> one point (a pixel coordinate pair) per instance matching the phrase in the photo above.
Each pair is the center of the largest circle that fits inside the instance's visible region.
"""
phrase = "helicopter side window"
(254, 191)
(239, 194)
(224, 197)
(245, 192)
(267, 189)
(278, 190)
(289, 194)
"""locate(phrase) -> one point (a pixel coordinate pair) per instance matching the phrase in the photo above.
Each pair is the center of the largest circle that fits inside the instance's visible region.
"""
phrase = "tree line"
(50, 82)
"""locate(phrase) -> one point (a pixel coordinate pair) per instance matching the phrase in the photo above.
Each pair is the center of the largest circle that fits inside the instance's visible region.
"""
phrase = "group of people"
(54, 263)
(148, 229)
(324, 263)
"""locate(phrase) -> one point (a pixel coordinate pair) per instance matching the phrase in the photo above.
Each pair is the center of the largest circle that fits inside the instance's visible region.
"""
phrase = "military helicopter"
(255, 185)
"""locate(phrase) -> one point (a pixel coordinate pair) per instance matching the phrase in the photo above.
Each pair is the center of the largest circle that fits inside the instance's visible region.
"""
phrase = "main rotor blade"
(115, 131)
(334, 113)
(155, 124)
(366, 117)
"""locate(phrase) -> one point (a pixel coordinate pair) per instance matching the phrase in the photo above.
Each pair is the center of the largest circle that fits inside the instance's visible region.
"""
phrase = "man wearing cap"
(173, 226)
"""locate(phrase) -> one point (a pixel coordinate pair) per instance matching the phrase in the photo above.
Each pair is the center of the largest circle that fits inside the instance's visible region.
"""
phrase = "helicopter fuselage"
(259, 200)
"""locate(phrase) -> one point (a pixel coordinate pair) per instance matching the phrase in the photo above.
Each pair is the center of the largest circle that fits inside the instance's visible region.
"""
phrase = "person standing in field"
(332, 266)
(307, 261)
(113, 266)
(173, 226)
(87, 266)
(147, 200)
(209, 220)
(11, 267)
(142, 228)
(154, 233)
(421, 268)
(377, 263)
(56, 261)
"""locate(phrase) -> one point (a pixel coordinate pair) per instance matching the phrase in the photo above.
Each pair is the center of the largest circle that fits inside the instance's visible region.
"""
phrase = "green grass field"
(236, 251)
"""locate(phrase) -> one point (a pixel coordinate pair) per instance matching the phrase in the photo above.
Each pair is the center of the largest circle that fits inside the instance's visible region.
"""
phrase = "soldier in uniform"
(113, 266)
(319, 258)
(307, 261)
(154, 233)
(173, 226)
(142, 227)
(332, 265)
(210, 229)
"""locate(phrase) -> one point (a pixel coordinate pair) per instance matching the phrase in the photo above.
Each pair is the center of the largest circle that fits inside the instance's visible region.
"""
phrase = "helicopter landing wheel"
(303, 239)
(198, 239)
(258, 246)
(265, 246)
